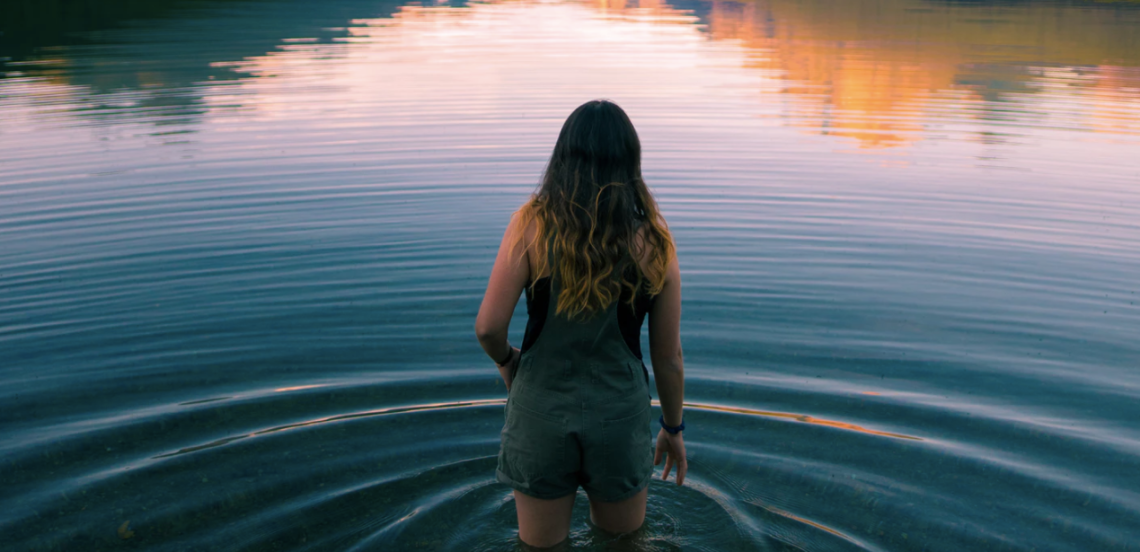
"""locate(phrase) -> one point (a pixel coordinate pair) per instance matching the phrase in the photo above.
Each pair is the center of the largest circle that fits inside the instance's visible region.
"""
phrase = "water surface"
(242, 245)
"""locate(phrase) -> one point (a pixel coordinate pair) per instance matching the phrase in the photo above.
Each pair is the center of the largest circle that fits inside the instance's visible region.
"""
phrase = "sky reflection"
(880, 74)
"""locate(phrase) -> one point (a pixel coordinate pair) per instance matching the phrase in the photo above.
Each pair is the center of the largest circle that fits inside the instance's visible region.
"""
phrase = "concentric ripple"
(242, 245)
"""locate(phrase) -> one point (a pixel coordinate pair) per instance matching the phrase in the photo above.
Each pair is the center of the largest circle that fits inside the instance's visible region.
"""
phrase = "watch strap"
(671, 429)
(510, 353)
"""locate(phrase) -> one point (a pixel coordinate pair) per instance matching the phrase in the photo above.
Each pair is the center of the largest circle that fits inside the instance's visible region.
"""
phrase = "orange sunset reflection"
(875, 74)
(882, 71)
(802, 418)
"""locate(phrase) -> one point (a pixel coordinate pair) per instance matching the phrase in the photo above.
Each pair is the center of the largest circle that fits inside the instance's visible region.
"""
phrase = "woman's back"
(596, 259)
(629, 317)
(630, 313)
(578, 412)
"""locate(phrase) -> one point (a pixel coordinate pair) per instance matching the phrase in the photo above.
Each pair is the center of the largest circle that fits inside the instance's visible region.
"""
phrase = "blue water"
(242, 245)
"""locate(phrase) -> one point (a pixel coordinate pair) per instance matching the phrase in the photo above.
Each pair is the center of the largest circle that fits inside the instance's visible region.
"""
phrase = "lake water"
(242, 245)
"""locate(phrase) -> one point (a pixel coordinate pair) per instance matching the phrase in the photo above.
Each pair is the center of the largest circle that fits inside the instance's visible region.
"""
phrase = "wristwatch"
(510, 355)
(670, 429)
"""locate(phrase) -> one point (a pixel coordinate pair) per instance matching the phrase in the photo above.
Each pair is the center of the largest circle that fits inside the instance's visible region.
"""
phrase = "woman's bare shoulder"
(649, 251)
(522, 227)
(524, 232)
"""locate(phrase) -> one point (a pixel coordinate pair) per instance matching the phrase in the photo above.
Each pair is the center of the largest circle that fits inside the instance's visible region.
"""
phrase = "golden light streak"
(494, 402)
(299, 387)
(804, 418)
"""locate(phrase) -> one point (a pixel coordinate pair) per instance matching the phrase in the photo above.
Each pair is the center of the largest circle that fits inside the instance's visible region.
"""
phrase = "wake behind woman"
(595, 257)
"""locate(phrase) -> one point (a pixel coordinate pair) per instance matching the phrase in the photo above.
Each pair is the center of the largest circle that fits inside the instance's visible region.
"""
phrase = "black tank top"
(629, 318)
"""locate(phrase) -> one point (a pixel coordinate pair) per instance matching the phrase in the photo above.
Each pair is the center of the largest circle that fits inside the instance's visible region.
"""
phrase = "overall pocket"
(627, 444)
(534, 443)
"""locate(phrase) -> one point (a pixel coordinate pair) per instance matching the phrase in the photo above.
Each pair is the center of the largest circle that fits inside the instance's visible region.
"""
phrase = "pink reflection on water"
(860, 77)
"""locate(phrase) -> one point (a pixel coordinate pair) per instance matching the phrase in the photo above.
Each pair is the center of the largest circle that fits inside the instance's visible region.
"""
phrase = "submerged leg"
(544, 523)
(622, 516)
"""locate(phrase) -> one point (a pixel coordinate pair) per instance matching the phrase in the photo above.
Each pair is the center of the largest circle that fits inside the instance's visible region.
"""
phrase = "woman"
(595, 257)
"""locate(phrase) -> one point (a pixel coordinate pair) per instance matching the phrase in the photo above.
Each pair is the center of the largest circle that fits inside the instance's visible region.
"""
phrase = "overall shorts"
(578, 412)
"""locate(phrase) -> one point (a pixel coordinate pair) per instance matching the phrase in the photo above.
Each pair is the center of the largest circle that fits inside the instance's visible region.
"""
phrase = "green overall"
(578, 412)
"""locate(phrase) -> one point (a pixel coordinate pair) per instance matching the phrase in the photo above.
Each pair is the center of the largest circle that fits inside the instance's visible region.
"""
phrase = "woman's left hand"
(672, 447)
(508, 370)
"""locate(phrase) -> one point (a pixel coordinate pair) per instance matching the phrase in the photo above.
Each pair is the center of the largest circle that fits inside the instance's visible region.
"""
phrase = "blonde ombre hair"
(594, 217)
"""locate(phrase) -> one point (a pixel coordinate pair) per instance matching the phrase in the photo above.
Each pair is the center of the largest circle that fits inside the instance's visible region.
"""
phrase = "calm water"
(242, 245)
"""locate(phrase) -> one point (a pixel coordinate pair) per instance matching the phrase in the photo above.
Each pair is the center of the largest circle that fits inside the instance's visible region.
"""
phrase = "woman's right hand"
(673, 447)
(508, 370)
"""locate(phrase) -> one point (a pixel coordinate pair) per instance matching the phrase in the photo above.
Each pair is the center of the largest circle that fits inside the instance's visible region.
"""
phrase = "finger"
(657, 456)
(682, 469)
(668, 467)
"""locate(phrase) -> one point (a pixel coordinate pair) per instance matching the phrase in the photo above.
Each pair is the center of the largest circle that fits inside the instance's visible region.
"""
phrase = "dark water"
(242, 245)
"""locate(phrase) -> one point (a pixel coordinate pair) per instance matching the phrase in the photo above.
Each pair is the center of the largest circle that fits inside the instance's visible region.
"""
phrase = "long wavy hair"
(587, 213)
